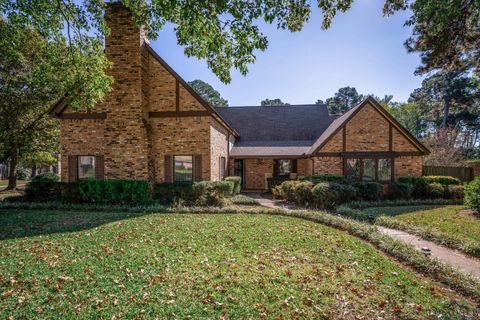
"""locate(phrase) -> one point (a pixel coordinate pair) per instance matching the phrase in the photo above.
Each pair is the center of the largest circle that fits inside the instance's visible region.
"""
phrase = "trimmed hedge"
(400, 190)
(43, 187)
(237, 183)
(472, 195)
(170, 192)
(272, 182)
(443, 180)
(114, 191)
(369, 191)
(323, 178)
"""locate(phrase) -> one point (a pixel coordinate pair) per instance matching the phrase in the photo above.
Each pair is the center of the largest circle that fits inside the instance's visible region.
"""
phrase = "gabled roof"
(342, 121)
(61, 104)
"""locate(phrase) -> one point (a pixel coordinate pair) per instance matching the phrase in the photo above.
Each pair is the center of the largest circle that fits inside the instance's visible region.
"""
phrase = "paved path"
(451, 257)
(447, 255)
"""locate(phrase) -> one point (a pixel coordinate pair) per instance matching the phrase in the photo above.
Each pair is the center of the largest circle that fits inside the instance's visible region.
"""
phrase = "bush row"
(443, 180)
(46, 187)
(326, 194)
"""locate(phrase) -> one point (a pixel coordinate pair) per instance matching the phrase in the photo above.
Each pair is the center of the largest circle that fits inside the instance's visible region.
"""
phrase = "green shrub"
(434, 191)
(170, 192)
(114, 191)
(272, 182)
(224, 188)
(443, 180)
(237, 183)
(412, 180)
(472, 195)
(323, 178)
(400, 190)
(287, 190)
(369, 191)
(420, 189)
(244, 200)
(323, 196)
(454, 192)
(344, 192)
(303, 193)
(43, 187)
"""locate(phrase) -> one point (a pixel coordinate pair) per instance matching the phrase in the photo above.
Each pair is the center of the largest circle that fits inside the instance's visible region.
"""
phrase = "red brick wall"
(368, 130)
(133, 144)
(328, 166)
(408, 166)
(255, 170)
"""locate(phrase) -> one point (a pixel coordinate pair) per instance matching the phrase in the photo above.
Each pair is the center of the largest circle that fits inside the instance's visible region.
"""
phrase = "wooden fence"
(462, 173)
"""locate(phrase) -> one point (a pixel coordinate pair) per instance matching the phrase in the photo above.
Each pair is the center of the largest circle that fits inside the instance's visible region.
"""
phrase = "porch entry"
(238, 170)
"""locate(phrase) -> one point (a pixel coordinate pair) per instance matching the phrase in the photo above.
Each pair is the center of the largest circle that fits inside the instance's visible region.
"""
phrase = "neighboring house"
(152, 125)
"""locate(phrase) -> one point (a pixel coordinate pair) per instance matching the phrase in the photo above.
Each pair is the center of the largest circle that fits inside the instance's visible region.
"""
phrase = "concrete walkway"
(452, 257)
(449, 256)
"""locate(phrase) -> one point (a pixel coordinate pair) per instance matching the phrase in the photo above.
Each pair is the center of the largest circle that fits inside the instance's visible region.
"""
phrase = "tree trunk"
(12, 179)
(34, 171)
(446, 111)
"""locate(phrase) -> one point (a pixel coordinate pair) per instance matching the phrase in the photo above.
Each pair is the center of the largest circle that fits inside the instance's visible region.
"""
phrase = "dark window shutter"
(99, 167)
(72, 168)
(276, 168)
(294, 166)
(197, 170)
(168, 168)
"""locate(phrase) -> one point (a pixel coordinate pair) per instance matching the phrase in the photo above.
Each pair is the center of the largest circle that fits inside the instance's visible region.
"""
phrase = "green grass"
(445, 219)
(442, 224)
(86, 265)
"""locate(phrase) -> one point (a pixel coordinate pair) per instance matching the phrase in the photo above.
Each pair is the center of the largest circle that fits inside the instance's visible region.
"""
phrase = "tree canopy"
(273, 103)
(342, 100)
(208, 93)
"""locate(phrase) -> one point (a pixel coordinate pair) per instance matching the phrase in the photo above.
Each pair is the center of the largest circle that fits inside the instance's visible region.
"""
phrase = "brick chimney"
(125, 136)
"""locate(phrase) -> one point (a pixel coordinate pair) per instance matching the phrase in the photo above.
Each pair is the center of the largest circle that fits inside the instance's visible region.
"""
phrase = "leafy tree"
(273, 102)
(410, 116)
(226, 34)
(208, 93)
(445, 97)
(446, 33)
(342, 100)
(34, 72)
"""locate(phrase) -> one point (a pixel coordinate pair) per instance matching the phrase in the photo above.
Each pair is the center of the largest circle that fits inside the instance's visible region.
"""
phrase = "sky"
(362, 49)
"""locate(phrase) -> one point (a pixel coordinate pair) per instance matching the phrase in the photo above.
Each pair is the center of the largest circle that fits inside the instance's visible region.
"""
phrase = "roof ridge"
(291, 105)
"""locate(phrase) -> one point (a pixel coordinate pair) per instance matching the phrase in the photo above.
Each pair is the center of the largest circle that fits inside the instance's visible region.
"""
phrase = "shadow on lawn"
(16, 223)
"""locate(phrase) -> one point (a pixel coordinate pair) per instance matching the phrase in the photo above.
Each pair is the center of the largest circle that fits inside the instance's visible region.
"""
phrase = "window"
(183, 168)
(352, 170)
(284, 167)
(384, 169)
(369, 169)
(222, 168)
(86, 167)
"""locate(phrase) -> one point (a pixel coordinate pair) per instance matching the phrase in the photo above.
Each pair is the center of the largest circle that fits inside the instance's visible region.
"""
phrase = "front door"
(238, 170)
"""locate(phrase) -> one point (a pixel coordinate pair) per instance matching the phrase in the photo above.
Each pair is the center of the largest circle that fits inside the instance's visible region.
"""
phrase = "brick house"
(152, 125)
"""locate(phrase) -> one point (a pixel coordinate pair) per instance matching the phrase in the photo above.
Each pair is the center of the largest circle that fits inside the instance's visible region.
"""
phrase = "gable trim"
(191, 91)
(392, 121)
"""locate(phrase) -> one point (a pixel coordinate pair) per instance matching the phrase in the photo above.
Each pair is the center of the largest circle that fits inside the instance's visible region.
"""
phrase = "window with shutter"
(197, 171)
(168, 168)
(99, 167)
(72, 168)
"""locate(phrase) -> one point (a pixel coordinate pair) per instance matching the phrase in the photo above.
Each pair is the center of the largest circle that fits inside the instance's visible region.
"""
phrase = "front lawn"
(102, 265)
(445, 224)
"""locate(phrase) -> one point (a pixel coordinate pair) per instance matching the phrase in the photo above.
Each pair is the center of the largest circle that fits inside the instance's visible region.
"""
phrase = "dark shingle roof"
(279, 123)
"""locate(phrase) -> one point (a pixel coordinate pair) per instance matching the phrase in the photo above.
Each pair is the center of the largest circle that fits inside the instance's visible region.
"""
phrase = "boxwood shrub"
(170, 192)
(237, 183)
(323, 178)
(369, 191)
(43, 187)
(114, 191)
(400, 190)
(472, 195)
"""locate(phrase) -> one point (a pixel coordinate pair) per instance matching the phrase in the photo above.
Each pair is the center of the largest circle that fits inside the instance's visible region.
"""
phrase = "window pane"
(353, 169)
(183, 168)
(222, 168)
(368, 170)
(384, 169)
(284, 167)
(86, 167)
